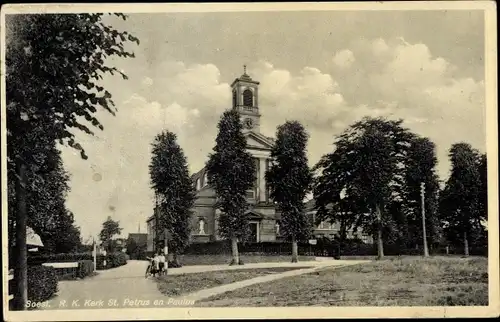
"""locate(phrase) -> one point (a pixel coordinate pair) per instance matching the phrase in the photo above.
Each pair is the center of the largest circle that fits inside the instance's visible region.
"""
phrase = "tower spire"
(244, 69)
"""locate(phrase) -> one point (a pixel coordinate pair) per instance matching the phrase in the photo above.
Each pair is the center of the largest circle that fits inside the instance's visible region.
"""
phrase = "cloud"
(344, 58)
(399, 79)
(387, 77)
(184, 99)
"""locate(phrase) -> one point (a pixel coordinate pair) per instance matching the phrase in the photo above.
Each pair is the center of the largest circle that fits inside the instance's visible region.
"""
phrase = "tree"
(65, 238)
(483, 174)
(363, 176)
(53, 65)
(420, 166)
(460, 202)
(231, 172)
(170, 179)
(110, 228)
(40, 48)
(289, 180)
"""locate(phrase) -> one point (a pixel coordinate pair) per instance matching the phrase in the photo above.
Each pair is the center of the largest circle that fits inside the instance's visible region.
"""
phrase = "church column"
(216, 224)
(262, 180)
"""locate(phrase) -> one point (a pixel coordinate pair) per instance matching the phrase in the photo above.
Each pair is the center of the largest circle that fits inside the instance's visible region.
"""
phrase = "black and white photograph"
(249, 160)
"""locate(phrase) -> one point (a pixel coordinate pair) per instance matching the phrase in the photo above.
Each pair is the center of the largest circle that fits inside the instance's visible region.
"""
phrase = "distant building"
(329, 230)
(137, 244)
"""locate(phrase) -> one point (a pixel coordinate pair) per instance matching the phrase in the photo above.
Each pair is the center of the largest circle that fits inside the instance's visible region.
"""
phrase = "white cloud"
(344, 58)
(394, 79)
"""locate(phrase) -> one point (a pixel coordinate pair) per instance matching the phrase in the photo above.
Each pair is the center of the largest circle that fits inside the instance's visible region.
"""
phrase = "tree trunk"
(380, 242)
(295, 251)
(234, 251)
(21, 256)
(466, 245)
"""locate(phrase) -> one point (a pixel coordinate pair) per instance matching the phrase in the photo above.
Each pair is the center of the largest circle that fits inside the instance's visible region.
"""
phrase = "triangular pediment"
(252, 214)
(257, 140)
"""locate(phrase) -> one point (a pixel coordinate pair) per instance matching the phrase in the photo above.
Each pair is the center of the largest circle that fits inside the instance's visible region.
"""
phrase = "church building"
(264, 219)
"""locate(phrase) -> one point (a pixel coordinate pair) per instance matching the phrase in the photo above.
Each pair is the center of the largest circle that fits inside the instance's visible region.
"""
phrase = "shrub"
(85, 268)
(173, 264)
(42, 283)
(117, 259)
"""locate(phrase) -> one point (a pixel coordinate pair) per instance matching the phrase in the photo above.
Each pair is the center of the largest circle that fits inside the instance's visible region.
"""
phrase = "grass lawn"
(175, 285)
(188, 260)
(406, 281)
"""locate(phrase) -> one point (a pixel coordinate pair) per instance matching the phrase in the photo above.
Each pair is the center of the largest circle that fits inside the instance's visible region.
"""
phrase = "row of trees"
(54, 63)
(372, 180)
(231, 172)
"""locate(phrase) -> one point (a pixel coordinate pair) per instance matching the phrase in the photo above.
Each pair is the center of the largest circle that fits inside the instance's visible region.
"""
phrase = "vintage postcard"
(249, 160)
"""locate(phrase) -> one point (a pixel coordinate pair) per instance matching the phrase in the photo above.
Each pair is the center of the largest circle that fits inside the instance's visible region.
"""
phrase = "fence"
(323, 248)
(64, 270)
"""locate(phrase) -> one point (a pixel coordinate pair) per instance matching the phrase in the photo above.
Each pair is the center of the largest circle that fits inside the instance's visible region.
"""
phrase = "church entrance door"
(254, 232)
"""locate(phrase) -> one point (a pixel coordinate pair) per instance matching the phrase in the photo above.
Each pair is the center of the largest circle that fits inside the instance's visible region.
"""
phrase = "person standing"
(156, 264)
(161, 264)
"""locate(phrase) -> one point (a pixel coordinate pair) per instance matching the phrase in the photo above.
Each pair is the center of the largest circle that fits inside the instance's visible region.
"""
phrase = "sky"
(325, 69)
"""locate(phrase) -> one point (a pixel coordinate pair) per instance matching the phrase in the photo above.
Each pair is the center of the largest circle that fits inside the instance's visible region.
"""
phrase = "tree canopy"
(231, 172)
(363, 176)
(289, 179)
(171, 182)
(110, 228)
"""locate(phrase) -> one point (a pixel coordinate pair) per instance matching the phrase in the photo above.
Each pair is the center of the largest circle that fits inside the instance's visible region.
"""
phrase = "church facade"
(264, 217)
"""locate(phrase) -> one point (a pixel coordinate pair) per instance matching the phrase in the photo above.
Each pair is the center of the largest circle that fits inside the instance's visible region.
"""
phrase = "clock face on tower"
(248, 123)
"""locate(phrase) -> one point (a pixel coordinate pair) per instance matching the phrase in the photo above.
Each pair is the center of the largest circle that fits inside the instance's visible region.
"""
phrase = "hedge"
(323, 247)
(112, 260)
(42, 283)
(85, 268)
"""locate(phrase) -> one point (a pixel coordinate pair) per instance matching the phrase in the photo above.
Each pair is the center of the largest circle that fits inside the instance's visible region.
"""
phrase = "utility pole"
(94, 253)
(157, 224)
(422, 195)
(21, 265)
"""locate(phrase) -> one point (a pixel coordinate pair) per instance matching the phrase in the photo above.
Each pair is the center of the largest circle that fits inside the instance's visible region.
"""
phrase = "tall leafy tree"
(363, 176)
(110, 228)
(289, 180)
(65, 237)
(420, 167)
(460, 202)
(483, 174)
(54, 63)
(231, 172)
(170, 179)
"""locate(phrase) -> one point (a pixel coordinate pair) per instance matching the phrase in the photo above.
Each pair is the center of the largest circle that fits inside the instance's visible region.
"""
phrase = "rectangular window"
(252, 193)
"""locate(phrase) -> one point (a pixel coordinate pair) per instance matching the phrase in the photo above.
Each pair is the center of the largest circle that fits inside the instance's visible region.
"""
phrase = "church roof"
(245, 77)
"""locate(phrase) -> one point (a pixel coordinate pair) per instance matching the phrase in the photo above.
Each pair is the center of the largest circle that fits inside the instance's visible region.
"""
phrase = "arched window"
(248, 98)
(235, 99)
(198, 186)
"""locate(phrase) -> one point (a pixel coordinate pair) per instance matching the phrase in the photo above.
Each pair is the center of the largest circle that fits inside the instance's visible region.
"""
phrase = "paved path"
(190, 299)
(126, 286)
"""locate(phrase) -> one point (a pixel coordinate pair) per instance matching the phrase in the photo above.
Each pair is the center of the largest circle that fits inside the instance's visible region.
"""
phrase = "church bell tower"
(245, 93)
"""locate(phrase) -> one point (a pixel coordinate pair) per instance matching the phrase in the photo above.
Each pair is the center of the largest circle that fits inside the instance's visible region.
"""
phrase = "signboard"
(313, 241)
(32, 239)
